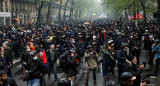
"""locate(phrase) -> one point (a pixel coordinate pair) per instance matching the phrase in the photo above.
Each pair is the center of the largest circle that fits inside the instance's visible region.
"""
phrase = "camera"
(146, 77)
(147, 81)
(144, 63)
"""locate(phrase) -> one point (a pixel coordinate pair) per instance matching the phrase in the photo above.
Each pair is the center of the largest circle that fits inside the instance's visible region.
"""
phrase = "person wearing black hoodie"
(35, 69)
(131, 66)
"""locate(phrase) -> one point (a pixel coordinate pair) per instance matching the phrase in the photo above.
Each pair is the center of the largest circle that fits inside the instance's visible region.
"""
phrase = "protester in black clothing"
(131, 66)
(121, 57)
(150, 53)
(35, 70)
(72, 64)
(8, 58)
(25, 56)
(3, 65)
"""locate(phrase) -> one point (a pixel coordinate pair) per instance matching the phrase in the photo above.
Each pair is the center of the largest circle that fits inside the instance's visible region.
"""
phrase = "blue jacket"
(156, 50)
(121, 57)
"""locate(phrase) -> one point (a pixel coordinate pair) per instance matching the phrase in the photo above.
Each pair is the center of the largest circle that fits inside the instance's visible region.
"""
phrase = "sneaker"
(153, 77)
(84, 72)
(95, 82)
(85, 84)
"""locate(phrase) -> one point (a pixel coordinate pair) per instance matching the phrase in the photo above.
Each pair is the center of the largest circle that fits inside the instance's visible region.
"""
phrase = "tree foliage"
(129, 5)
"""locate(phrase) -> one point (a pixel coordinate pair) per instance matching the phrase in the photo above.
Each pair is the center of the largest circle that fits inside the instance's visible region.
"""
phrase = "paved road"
(17, 70)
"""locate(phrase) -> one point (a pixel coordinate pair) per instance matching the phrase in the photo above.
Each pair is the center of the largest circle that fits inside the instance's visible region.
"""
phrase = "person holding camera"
(156, 50)
(72, 64)
(91, 60)
(131, 66)
(35, 69)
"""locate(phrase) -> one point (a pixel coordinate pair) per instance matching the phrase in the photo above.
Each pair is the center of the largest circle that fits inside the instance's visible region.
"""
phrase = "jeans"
(53, 66)
(83, 64)
(34, 82)
(73, 78)
(157, 66)
(104, 67)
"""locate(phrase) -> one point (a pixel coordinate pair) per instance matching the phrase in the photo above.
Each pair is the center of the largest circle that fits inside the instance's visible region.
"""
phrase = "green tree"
(49, 12)
(158, 2)
(39, 5)
(64, 15)
(59, 13)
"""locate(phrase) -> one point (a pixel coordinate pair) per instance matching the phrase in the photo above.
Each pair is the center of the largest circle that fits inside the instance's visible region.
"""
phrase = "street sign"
(94, 14)
(5, 14)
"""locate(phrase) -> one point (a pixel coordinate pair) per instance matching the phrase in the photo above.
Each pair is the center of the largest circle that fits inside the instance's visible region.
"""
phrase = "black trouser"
(16, 52)
(151, 56)
(111, 67)
(9, 72)
(136, 53)
(52, 67)
(120, 71)
(157, 66)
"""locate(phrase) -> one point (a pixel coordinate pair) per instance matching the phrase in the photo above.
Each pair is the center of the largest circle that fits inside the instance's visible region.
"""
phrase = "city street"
(81, 77)
(79, 42)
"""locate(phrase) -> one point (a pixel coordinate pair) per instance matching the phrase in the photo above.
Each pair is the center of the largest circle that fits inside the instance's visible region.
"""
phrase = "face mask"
(35, 58)
(74, 41)
(41, 54)
(2, 53)
(125, 49)
(112, 44)
(7, 42)
(28, 50)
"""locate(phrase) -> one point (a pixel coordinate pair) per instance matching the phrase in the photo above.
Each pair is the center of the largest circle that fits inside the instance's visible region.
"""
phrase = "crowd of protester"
(78, 47)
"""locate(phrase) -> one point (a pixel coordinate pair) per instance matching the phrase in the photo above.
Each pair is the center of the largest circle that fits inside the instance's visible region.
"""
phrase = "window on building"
(1, 5)
(6, 6)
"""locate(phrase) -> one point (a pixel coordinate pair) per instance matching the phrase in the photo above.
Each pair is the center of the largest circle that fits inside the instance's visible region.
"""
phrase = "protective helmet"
(111, 83)
(94, 43)
(64, 82)
(127, 76)
(79, 33)
(123, 45)
(73, 50)
(89, 46)
(32, 53)
(110, 41)
(156, 41)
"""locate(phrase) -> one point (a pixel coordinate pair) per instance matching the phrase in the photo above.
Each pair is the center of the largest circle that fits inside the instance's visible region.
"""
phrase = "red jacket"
(44, 57)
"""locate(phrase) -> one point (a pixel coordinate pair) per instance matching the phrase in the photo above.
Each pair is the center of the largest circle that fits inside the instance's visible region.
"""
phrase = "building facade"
(19, 12)
(5, 12)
